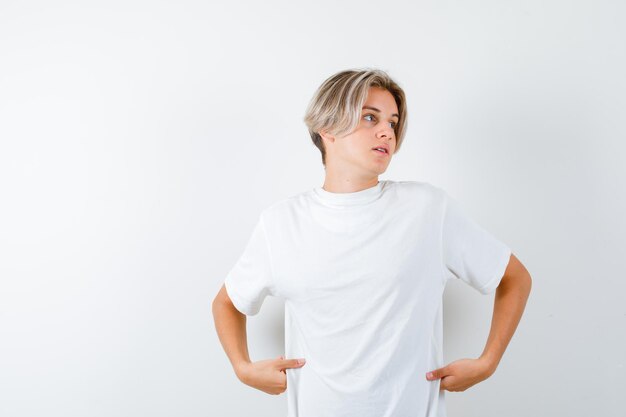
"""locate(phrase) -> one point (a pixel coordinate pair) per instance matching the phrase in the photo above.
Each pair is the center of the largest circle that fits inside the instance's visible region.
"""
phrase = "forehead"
(381, 99)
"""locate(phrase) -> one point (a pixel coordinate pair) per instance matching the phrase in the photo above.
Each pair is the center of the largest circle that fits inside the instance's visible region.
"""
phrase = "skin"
(267, 375)
(510, 302)
(352, 165)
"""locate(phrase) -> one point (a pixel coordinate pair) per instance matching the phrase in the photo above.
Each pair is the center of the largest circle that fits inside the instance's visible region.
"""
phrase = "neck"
(347, 183)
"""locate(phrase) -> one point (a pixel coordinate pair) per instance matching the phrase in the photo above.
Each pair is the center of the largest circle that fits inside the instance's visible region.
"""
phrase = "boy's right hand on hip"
(269, 375)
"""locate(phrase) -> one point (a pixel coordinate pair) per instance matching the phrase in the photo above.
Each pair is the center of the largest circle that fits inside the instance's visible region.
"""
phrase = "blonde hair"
(337, 103)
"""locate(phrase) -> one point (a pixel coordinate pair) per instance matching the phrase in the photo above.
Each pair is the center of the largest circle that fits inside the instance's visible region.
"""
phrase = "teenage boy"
(361, 265)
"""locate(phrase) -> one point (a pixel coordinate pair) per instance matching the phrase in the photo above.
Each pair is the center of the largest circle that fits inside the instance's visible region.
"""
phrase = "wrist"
(240, 369)
(489, 364)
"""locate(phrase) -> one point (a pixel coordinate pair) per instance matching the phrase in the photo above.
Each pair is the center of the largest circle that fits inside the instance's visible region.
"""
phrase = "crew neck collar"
(349, 199)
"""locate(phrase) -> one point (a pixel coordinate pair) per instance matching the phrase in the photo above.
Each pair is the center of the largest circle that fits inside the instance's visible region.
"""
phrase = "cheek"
(354, 146)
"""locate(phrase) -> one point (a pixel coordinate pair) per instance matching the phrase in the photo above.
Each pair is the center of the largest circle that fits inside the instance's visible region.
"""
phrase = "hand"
(268, 375)
(461, 374)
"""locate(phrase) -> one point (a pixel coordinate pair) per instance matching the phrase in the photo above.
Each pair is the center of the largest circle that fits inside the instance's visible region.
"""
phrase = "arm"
(510, 301)
(269, 375)
(230, 324)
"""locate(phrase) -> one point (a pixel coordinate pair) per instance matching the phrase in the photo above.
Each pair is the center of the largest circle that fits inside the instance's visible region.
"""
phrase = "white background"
(140, 140)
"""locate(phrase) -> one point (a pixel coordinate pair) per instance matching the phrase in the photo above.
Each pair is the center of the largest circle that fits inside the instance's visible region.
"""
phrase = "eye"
(393, 124)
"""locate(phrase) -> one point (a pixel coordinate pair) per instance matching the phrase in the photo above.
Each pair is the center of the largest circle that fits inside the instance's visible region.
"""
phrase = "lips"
(386, 149)
(382, 145)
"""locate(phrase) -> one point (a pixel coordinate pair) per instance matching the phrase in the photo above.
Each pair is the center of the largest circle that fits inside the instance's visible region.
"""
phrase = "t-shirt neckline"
(349, 199)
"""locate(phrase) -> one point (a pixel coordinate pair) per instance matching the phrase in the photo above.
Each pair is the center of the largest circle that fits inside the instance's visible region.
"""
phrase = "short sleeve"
(250, 280)
(470, 252)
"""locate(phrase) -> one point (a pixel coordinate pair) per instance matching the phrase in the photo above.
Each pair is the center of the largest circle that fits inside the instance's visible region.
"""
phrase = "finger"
(446, 383)
(437, 373)
(442, 384)
(291, 363)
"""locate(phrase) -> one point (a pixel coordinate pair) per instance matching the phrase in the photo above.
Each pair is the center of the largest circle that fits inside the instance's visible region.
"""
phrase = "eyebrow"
(375, 109)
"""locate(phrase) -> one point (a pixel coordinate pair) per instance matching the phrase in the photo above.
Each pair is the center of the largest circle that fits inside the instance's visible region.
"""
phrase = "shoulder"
(285, 207)
(423, 190)
(413, 185)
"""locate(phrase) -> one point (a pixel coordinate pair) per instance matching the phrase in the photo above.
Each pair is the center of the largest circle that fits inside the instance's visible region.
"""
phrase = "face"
(355, 152)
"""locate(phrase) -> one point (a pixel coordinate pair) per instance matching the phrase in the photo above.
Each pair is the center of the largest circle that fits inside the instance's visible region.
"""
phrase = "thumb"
(437, 373)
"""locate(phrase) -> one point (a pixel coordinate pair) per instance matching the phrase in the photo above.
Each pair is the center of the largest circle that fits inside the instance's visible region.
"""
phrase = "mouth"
(381, 151)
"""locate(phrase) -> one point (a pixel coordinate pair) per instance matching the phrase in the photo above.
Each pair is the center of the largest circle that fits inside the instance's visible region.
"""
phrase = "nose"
(386, 132)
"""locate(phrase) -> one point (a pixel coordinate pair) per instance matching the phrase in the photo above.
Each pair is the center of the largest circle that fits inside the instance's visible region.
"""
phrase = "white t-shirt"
(362, 275)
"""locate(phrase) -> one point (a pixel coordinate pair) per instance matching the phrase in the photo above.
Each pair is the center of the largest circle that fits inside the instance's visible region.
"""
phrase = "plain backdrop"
(139, 141)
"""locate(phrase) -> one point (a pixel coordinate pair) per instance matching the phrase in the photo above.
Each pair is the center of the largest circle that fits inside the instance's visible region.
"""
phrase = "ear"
(326, 137)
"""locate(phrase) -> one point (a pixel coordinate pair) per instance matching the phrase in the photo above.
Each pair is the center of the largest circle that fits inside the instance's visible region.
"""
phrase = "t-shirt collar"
(348, 199)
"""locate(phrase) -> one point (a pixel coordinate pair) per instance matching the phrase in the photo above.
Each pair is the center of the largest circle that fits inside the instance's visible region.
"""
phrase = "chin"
(380, 170)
